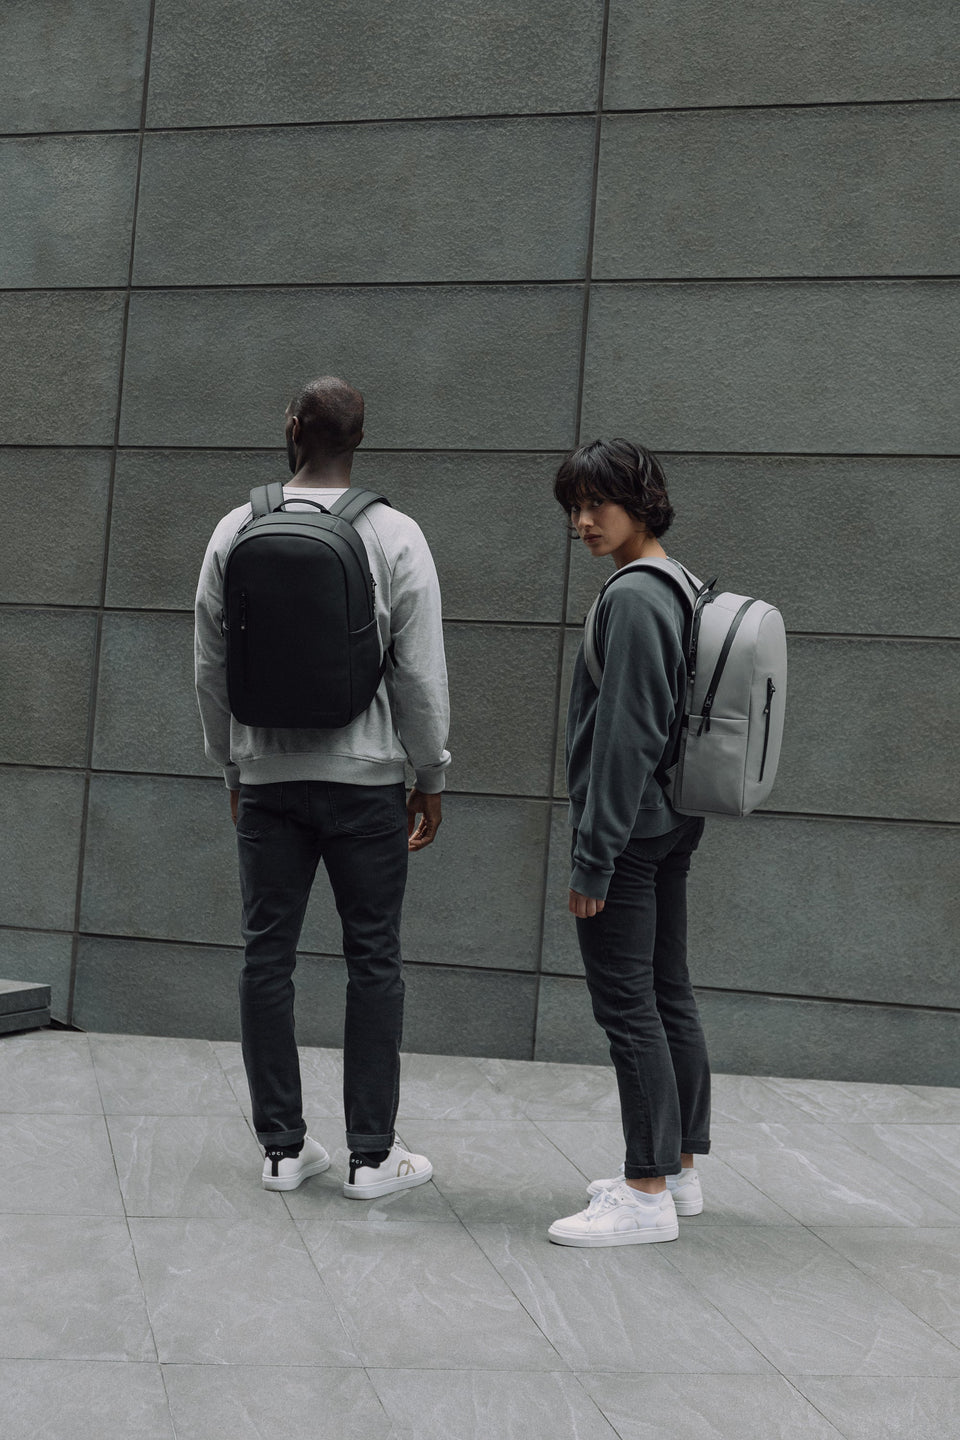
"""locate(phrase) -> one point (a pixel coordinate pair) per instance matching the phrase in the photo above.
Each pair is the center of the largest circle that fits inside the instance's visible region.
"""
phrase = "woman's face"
(605, 527)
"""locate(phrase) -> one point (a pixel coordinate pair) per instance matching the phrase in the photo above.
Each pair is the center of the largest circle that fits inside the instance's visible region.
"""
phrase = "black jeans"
(360, 833)
(635, 956)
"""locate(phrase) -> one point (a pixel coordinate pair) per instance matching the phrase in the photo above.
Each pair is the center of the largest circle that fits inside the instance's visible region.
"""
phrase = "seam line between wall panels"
(565, 588)
(108, 516)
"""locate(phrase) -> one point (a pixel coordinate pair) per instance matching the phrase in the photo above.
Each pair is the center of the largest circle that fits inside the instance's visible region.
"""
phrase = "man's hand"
(583, 906)
(426, 832)
(234, 803)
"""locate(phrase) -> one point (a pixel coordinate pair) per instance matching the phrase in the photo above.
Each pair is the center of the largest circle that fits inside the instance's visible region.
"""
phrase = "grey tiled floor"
(151, 1290)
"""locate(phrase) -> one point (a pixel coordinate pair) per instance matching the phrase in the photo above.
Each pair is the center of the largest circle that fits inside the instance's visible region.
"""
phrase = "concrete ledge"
(24, 1005)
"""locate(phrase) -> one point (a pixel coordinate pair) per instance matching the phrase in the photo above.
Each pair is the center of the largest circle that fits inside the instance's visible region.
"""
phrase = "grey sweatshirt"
(616, 737)
(409, 716)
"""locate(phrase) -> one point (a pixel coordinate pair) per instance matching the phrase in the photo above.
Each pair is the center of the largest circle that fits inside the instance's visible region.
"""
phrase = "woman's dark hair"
(616, 470)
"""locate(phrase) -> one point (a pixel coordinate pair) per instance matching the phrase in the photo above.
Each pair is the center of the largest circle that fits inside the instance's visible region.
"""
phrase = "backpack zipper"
(771, 691)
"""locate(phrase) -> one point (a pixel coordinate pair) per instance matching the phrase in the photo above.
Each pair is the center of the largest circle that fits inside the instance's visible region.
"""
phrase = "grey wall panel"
(147, 717)
(485, 849)
(858, 366)
(68, 205)
(759, 1035)
(373, 203)
(502, 685)
(472, 509)
(160, 860)
(59, 367)
(219, 63)
(561, 953)
(763, 1035)
(42, 958)
(858, 190)
(46, 674)
(566, 1029)
(140, 987)
(442, 367)
(72, 67)
(813, 535)
(572, 640)
(166, 504)
(491, 524)
(39, 847)
(868, 727)
(468, 1012)
(661, 55)
(47, 493)
(845, 909)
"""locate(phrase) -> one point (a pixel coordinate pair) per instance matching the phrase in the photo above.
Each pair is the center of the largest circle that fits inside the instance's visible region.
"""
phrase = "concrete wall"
(728, 231)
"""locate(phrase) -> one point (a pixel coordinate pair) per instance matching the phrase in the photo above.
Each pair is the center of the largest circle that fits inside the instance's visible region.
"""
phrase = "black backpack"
(303, 649)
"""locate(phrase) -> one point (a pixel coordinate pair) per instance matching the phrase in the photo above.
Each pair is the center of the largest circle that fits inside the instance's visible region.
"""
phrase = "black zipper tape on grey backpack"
(721, 662)
(771, 691)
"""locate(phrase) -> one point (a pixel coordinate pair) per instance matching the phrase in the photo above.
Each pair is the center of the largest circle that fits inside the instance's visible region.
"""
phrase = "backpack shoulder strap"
(354, 501)
(684, 582)
(264, 499)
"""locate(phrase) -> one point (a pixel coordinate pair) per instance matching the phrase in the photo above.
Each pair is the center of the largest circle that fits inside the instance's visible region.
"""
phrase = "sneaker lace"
(603, 1200)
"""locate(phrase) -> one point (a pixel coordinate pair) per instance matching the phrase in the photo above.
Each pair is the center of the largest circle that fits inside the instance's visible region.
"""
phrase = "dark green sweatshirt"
(617, 736)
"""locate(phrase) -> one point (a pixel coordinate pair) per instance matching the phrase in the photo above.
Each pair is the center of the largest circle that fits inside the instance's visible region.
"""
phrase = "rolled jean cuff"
(366, 1143)
(648, 1172)
(280, 1139)
(694, 1147)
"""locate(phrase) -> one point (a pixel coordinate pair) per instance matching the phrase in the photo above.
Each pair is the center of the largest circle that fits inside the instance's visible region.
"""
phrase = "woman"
(631, 854)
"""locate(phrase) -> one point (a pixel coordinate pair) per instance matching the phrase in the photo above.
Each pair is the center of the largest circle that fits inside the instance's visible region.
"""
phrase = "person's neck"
(331, 472)
(644, 547)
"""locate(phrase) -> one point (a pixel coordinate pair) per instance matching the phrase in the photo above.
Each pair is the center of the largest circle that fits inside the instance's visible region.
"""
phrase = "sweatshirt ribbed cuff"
(592, 883)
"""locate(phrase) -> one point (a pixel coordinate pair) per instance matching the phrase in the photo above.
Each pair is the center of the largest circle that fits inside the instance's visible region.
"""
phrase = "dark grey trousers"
(360, 834)
(635, 956)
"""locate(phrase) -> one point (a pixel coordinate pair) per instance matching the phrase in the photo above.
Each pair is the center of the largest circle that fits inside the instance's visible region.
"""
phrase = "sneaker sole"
(591, 1242)
(316, 1168)
(386, 1187)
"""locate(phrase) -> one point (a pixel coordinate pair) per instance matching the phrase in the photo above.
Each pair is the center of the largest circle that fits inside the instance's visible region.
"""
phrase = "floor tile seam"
(841, 1434)
(727, 1320)
(561, 1363)
(880, 1284)
(353, 1341)
(897, 1166)
(561, 1152)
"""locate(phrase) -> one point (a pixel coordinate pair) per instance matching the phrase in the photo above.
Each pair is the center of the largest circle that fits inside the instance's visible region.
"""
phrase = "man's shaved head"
(330, 415)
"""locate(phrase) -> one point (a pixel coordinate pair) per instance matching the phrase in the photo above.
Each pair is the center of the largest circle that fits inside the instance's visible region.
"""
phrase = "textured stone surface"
(215, 205)
(147, 716)
(502, 687)
(859, 190)
(72, 67)
(39, 846)
(736, 54)
(807, 366)
(69, 210)
(220, 63)
(813, 535)
(824, 907)
(47, 492)
(59, 368)
(443, 367)
(860, 712)
(47, 657)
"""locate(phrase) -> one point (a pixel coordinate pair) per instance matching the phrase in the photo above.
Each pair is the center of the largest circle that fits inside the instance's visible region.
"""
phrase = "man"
(631, 855)
(301, 796)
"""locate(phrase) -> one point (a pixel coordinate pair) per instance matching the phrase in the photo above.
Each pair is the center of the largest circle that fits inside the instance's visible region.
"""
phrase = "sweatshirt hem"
(342, 769)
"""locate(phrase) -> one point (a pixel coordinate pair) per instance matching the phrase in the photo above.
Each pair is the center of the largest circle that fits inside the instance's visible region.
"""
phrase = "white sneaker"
(286, 1172)
(400, 1171)
(619, 1216)
(685, 1189)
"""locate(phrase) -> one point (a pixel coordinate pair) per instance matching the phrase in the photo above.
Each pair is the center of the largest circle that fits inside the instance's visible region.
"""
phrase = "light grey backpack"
(723, 755)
